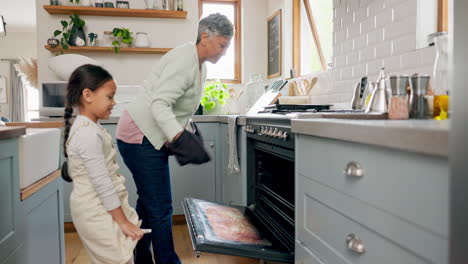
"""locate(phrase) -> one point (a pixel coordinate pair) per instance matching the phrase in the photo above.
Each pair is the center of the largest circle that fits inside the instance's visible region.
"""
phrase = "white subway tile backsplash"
(337, 25)
(337, 49)
(360, 70)
(405, 9)
(360, 14)
(375, 37)
(354, 31)
(340, 36)
(347, 46)
(411, 59)
(348, 19)
(360, 42)
(376, 6)
(373, 67)
(392, 64)
(353, 5)
(341, 86)
(404, 27)
(368, 24)
(370, 34)
(391, 3)
(346, 73)
(340, 61)
(383, 50)
(336, 3)
(352, 59)
(404, 44)
(367, 54)
(384, 18)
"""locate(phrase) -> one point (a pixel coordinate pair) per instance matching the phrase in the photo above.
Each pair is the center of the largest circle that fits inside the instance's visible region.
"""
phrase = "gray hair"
(215, 25)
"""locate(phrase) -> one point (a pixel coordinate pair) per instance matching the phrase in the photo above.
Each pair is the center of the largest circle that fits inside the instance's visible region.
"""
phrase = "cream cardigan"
(171, 96)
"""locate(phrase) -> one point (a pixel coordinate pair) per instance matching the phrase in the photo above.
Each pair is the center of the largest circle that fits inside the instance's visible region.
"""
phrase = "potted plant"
(214, 97)
(72, 33)
(123, 37)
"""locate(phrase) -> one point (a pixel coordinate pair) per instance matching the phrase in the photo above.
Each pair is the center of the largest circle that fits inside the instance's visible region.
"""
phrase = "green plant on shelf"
(123, 35)
(69, 28)
(215, 95)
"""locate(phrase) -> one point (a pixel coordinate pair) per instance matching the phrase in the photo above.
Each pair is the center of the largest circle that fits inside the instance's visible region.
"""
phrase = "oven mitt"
(189, 148)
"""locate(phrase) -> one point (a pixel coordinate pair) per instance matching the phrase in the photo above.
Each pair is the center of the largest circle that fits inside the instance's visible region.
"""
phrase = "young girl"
(105, 222)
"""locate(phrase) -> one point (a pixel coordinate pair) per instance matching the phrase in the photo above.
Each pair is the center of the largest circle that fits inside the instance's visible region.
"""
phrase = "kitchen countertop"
(11, 132)
(421, 136)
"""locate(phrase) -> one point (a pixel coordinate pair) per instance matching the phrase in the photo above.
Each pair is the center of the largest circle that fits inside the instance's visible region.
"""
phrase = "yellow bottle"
(441, 107)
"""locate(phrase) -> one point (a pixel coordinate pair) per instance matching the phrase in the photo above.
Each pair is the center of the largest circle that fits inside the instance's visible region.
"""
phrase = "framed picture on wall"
(274, 45)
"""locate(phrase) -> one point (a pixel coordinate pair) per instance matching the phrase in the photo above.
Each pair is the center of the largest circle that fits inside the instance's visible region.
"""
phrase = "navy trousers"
(150, 169)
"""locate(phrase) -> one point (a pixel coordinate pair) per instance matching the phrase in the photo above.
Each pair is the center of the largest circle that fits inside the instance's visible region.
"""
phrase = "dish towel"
(233, 164)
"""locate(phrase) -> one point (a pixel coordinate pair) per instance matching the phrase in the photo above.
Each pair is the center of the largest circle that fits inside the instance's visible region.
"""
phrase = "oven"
(264, 229)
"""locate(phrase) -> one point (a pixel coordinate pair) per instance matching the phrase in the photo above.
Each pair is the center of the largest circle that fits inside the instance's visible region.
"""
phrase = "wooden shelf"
(114, 12)
(89, 49)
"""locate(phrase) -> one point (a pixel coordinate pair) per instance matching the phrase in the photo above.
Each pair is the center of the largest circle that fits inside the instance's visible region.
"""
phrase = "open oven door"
(233, 230)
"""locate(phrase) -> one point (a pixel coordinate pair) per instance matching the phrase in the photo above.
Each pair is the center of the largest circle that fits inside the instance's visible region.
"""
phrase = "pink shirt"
(127, 130)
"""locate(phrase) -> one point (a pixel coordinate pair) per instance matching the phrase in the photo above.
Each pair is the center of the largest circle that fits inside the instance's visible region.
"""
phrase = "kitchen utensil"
(357, 102)
(294, 100)
(398, 106)
(379, 102)
(312, 84)
(419, 108)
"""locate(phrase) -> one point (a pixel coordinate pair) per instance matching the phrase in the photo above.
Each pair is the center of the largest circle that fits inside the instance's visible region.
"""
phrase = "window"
(32, 97)
(313, 35)
(228, 68)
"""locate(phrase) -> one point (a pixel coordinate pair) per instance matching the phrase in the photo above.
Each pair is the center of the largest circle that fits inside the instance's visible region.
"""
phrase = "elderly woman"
(155, 119)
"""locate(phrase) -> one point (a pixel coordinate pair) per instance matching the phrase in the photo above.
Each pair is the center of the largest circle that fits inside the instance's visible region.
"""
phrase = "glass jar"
(107, 39)
(142, 40)
(398, 106)
(440, 83)
(419, 107)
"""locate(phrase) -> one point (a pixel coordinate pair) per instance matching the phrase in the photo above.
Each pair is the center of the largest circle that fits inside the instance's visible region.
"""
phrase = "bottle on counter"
(398, 107)
(419, 106)
(440, 81)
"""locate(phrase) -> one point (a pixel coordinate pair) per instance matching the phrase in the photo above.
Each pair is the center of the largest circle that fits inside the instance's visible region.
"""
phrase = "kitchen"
(394, 203)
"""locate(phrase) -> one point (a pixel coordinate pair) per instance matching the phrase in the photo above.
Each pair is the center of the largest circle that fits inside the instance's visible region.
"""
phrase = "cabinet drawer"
(304, 256)
(325, 218)
(208, 130)
(408, 185)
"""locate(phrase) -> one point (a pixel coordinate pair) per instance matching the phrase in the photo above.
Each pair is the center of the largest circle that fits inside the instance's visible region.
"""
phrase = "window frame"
(442, 16)
(297, 35)
(237, 35)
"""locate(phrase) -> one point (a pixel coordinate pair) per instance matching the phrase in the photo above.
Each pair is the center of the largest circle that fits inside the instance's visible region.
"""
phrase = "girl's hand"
(131, 230)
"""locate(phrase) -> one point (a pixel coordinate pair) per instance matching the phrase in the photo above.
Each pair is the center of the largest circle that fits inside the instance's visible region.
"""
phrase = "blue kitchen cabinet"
(44, 234)
(11, 218)
(397, 211)
(232, 184)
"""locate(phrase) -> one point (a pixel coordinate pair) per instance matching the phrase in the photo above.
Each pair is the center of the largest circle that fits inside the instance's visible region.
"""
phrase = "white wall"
(369, 34)
(286, 7)
(126, 68)
(14, 45)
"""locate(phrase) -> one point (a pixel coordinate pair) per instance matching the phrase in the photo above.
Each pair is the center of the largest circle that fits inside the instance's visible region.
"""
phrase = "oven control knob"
(270, 132)
(275, 132)
(280, 134)
(285, 135)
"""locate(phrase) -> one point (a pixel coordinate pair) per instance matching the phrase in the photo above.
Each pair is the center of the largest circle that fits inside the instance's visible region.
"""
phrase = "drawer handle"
(353, 169)
(355, 244)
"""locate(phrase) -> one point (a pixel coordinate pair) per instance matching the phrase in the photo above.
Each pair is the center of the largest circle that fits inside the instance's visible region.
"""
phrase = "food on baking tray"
(228, 223)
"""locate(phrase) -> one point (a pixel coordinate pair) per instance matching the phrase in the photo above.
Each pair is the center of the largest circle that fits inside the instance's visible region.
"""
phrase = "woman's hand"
(131, 230)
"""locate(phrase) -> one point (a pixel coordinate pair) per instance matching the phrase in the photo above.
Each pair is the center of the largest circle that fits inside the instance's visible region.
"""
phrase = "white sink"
(39, 154)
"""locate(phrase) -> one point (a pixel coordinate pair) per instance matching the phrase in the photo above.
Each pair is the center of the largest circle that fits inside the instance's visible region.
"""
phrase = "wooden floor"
(76, 254)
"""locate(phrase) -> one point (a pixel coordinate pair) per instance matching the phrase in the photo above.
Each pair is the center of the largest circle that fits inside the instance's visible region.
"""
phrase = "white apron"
(101, 236)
